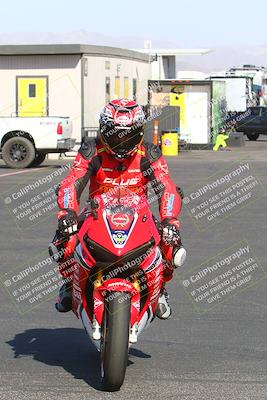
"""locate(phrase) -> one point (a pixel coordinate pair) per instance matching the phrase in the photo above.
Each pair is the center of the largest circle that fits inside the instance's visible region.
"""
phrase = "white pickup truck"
(25, 141)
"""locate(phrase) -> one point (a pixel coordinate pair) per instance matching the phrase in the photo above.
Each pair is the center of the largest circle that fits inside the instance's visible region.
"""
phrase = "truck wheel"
(18, 152)
(253, 136)
(40, 157)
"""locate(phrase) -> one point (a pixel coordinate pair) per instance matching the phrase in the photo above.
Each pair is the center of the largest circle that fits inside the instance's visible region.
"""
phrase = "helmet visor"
(123, 141)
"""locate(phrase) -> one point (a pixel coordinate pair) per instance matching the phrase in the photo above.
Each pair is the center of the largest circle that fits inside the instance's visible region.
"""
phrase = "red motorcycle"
(118, 277)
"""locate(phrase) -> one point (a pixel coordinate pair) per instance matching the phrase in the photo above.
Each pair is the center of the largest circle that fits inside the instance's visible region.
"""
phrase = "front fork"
(102, 291)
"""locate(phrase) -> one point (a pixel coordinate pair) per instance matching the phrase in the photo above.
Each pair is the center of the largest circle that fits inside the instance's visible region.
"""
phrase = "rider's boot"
(164, 310)
(61, 250)
(174, 258)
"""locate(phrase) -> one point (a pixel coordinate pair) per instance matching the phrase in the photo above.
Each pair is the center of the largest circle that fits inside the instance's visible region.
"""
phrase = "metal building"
(69, 80)
(166, 61)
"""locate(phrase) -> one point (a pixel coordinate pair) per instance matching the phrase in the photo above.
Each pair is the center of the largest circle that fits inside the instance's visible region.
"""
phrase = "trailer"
(238, 92)
(200, 104)
(259, 77)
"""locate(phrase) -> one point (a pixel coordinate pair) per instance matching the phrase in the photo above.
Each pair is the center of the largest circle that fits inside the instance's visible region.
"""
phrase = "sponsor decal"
(163, 167)
(120, 219)
(157, 284)
(97, 303)
(134, 170)
(123, 118)
(66, 198)
(119, 237)
(156, 292)
(167, 142)
(124, 284)
(155, 263)
(139, 115)
(77, 163)
(122, 182)
(136, 305)
(108, 111)
(124, 102)
(77, 294)
(170, 205)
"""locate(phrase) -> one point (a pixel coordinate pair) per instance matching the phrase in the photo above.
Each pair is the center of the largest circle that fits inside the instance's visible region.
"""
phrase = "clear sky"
(188, 23)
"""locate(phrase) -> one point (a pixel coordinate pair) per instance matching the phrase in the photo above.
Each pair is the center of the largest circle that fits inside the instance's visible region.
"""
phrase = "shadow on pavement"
(69, 348)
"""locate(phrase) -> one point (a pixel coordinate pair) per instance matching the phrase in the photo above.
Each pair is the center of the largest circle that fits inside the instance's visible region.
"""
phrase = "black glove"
(170, 232)
(67, 222)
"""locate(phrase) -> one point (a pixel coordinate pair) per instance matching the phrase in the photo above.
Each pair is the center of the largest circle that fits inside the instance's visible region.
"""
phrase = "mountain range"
(221, 57)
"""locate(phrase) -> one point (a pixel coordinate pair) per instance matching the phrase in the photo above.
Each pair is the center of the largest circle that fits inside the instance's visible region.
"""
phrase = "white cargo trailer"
(200, 102)
(259, 77)
(238, 92)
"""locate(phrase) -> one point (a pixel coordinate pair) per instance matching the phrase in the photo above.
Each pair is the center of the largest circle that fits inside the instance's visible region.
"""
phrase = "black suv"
(252, 122)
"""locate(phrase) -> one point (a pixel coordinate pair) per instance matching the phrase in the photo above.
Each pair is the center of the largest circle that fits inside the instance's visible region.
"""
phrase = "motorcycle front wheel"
(115, 339)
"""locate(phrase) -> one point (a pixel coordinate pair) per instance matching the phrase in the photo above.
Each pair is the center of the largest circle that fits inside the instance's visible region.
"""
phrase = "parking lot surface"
(214, 347)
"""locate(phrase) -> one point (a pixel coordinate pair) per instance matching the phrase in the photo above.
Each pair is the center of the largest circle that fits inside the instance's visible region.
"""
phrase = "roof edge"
(53, 49)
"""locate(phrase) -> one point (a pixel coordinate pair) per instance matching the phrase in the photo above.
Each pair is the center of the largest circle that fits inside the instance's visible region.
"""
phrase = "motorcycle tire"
(115, 340)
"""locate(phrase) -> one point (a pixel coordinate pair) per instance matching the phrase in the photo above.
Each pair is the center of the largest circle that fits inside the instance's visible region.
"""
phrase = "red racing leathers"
(94, 163)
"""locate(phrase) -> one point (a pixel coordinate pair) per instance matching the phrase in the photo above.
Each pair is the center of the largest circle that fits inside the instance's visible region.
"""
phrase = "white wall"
(164, 67)
(197, 114)
(94, 83)
(64, 86)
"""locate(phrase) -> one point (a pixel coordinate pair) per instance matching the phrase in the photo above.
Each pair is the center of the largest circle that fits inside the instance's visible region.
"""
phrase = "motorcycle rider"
(120, 156)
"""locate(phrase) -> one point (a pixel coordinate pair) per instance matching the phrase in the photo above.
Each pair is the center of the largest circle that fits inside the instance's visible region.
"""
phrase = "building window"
(107, 89)
(117, 87)
(107, 64)
(134, 88)
(126, 87)
(32, 90)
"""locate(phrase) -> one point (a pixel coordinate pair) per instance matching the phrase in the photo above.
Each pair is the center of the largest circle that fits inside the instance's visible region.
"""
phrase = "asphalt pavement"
(212, 349)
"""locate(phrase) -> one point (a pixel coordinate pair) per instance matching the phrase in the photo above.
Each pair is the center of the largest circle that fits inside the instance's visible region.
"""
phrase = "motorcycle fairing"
(119, 237)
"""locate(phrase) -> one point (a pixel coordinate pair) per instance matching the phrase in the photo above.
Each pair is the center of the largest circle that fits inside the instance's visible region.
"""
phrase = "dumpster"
(236, 139)
(169, 143)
